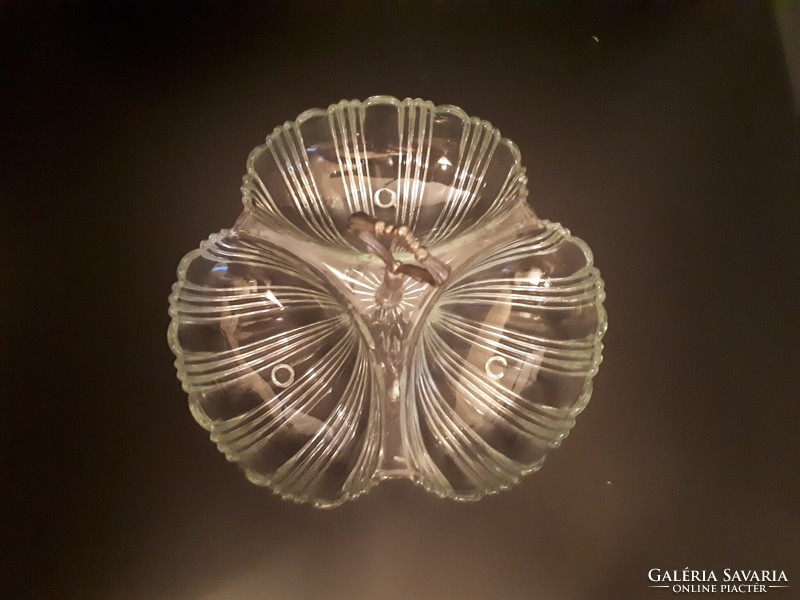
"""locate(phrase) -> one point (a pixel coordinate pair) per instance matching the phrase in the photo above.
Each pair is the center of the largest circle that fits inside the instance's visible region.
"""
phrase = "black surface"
(668, 143)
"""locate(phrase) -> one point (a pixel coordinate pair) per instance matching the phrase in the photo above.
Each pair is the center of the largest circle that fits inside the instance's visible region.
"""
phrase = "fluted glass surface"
(387, 305)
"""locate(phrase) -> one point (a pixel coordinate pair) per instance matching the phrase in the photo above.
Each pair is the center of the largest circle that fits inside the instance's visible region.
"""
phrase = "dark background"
(669, 143)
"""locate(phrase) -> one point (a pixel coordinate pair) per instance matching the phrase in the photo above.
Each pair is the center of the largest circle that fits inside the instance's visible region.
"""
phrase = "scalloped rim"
(437, 109)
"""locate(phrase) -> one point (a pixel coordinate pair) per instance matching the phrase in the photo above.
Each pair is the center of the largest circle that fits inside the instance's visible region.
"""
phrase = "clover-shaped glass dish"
(387, 305)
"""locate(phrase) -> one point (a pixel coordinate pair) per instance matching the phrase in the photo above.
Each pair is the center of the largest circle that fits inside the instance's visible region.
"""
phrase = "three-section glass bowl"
(387, 305)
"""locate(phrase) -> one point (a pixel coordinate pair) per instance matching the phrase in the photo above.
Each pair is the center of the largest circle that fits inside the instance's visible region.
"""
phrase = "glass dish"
(387, 305)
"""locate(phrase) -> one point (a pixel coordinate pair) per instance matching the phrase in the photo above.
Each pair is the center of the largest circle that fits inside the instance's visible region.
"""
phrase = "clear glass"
(387, 306)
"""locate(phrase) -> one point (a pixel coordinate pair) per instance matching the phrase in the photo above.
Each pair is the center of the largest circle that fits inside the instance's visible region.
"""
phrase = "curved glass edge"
(414, 476)
(254, 192)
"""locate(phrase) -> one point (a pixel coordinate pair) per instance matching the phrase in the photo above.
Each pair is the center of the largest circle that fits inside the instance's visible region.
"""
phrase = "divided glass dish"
(387, 305)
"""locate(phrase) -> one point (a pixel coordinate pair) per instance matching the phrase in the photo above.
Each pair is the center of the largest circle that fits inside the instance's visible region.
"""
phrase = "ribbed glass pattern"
(387, 305)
